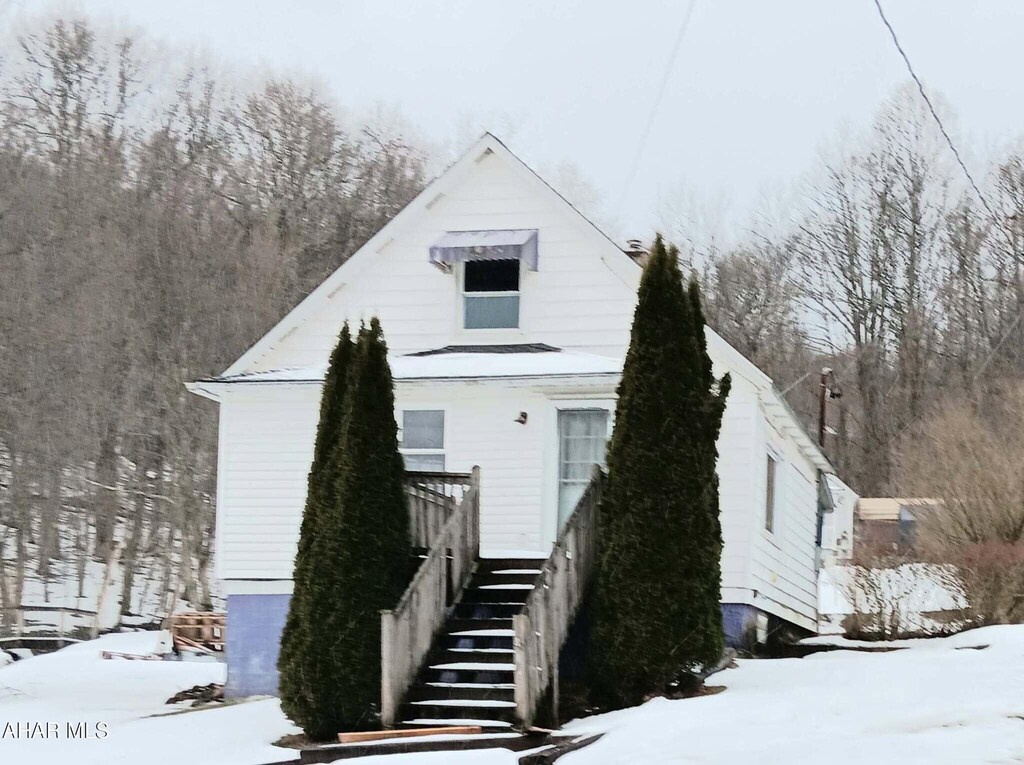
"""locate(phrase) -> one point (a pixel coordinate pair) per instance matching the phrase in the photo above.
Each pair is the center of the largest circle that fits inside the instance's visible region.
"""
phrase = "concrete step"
(502, 578)
(473, 691)
(465, 672)
(461, 709)
(476, 641)
(486, 726)
(498, 564)
(472, 655)
(469, 624)
(496, 593)
(487, 610)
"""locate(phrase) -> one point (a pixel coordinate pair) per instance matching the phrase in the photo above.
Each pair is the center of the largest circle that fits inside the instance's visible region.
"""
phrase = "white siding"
(783, 565)
(267, 443)
(480, 429)
(573, 301)
(737, 493)
(266, 446)
(581, 298)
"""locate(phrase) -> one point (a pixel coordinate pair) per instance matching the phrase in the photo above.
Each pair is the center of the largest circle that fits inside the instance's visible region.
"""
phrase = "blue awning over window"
(506, 244)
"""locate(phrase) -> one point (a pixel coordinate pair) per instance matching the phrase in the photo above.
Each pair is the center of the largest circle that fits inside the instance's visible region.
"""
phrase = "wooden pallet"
(199, 630)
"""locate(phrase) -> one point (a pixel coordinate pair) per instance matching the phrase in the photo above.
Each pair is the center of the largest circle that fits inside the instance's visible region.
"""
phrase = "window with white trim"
(490, 294)
(421, 439)
(770, 492)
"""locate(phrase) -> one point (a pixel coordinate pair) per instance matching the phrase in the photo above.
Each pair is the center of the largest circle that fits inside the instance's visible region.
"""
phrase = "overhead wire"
(932, 109)
(659, 96)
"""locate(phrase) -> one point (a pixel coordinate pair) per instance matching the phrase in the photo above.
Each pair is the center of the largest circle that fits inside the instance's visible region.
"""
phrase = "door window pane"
(582, 437)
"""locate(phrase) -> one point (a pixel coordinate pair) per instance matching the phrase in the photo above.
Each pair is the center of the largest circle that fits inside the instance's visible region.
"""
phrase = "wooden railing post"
(474, 487)
(541, 628)
(448, 525)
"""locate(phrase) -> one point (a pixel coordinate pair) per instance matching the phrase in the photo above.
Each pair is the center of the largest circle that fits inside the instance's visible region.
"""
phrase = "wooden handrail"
(542, 626)
(432, 498)
(409, 629)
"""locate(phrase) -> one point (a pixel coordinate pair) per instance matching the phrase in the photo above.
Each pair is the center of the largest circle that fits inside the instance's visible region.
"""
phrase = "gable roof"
(625, 268)
(615, 259)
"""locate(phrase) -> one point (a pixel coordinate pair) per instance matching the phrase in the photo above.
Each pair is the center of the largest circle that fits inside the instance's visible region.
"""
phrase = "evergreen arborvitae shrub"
(656, 600)
(358, 556)
(296, 661)
(363, 551)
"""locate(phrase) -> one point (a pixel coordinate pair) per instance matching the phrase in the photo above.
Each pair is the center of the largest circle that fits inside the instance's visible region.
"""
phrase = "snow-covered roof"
(456, 366)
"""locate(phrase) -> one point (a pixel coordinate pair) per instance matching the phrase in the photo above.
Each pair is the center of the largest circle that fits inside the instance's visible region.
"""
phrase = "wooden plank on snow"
(382, 735)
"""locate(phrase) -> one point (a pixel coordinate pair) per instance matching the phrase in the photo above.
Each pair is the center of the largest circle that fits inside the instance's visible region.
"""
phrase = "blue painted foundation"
(255, 623)
(739, 623)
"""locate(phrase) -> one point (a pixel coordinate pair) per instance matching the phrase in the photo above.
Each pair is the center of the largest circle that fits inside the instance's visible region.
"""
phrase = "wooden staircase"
(468, 678)
(476, 641)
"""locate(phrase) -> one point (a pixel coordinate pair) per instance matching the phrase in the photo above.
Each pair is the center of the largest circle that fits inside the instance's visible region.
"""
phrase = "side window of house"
(769, 499)
(490, 291)
(421, 440)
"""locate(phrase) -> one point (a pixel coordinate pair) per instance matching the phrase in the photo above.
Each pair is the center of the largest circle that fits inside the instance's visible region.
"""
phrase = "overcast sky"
(757, 88)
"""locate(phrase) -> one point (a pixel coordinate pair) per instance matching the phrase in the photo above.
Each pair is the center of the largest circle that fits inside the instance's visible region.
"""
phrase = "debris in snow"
(130, 656)
(199, 694)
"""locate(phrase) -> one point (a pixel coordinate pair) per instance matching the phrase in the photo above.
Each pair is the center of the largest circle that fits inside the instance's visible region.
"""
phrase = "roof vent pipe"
(636, 250)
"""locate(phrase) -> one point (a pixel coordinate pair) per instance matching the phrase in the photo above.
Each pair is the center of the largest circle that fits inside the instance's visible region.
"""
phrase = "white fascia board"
(206, 390)
(348, 270)
(216, 390)
(735, 361)
(776, 408)
(617, 261)
(257, 586)
(543, 383)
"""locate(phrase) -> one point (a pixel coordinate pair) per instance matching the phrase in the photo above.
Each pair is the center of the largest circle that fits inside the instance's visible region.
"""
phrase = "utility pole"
(822, 389)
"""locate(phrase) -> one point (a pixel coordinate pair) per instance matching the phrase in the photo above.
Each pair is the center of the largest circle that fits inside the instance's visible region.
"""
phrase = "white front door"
(582, 437)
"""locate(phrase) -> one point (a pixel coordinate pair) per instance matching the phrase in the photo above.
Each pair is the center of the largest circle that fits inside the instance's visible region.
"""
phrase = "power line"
(934, 113)
(835, 354)
(669, 65)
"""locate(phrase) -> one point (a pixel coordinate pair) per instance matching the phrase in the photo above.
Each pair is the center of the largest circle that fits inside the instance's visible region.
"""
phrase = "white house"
(507, 314)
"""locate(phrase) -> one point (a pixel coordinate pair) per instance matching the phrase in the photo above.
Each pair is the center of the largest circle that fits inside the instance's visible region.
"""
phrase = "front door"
(582, 436)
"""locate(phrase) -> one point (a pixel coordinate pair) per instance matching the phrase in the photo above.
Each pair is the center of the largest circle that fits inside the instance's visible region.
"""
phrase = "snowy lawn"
(929, 703)
(936, 701)
(76, 685)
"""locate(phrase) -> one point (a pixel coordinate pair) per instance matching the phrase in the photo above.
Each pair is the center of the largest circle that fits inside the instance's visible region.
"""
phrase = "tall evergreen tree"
(656, 611)
(296, 661)
(360, 555)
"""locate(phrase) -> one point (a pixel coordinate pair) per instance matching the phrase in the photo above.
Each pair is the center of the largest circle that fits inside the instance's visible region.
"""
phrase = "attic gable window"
(490, 294)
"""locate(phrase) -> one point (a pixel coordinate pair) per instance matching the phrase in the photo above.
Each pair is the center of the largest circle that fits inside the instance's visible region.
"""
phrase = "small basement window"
(769, 499)
(491, 294)
(421, 439)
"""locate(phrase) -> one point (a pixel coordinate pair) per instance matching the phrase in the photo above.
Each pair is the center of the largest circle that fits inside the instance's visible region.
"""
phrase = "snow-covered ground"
(911, 599)
(76, 685)
(952, 701)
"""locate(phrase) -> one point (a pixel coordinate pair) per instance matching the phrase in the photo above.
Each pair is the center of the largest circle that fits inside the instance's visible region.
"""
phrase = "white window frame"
(442, 450)
(549, 521)
(771, 520)
(461, 275)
